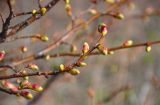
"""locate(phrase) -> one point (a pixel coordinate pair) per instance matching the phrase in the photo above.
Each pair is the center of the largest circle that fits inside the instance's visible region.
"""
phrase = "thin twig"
(114, 93)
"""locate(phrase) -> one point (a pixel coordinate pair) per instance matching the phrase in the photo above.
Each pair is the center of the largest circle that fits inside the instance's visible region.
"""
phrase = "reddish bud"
(36, 87)
(2, 55)
(102, 28)
(91, 92)
(149, 10)
(25, 83)
(9, 85)
(26, 94)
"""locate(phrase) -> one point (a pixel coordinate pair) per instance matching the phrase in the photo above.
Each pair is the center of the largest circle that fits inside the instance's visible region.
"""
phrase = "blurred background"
(128, 77)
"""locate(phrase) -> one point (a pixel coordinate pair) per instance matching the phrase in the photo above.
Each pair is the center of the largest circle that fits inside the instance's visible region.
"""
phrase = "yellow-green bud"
(47, 57)
(102, 50)
(44, 38)
(32, 67)
(93, 11)
(26, 94)
(148, 48)
(36, 87)
(62, 67)
(43, 10)
(85, 48)
(118, 16)
(23, 49)
(34, 11)
(74, 71)
(83, 64)
(73, 48)
(110, 1)
(128, 43)
(67, 1)
(105, 51)
(111, 52)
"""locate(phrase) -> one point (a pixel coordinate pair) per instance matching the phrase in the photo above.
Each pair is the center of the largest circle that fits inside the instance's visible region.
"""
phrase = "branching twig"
(114, 93)
(31, 19)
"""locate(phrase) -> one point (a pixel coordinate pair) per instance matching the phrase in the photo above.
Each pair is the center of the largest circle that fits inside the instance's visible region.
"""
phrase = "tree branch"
(31, 19)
